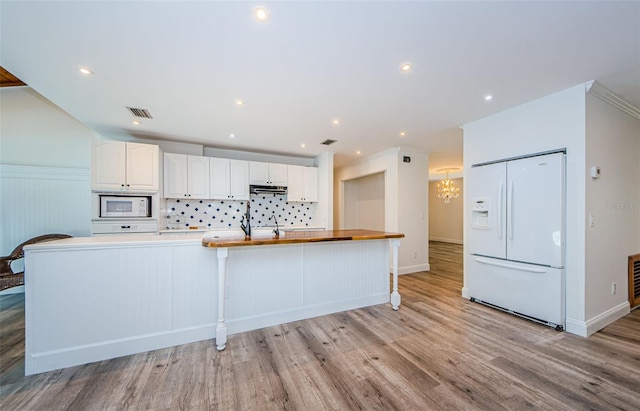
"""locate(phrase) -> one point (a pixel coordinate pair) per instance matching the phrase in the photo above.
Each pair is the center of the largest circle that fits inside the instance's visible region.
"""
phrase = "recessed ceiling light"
(303, 145)
(335, 121)
(403, 133)
(136, 122)
(239, 102)
(261, 14)
(405, 67)
(85, 71)
(358, 152)
(232, 135)
(488, 97)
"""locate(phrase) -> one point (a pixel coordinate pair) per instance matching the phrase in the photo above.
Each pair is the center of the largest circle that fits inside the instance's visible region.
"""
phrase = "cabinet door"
(143, 171)
(258, 172)
(198, 177)
(295, 183)
(219, 178)
(239, 180)
(310, 184)
(278, 174)
(175, 175)
(108, 165)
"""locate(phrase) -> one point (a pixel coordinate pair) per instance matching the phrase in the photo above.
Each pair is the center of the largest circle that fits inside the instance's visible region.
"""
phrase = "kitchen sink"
(258, 232)
(264, 232)
(224, 233)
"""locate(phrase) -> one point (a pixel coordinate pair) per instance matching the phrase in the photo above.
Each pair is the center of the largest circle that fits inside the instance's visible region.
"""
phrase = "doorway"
(364, 202)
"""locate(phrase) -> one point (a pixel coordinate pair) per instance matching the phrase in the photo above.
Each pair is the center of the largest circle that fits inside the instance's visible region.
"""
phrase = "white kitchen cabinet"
(302, 183)
(268, 173)
(186, 176)
(122, 166)
(229, 179)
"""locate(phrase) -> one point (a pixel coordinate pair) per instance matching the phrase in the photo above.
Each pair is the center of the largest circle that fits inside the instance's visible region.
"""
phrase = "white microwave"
(116, 206)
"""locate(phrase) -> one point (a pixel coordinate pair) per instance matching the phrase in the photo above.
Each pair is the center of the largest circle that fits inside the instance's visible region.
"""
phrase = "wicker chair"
(10, 279)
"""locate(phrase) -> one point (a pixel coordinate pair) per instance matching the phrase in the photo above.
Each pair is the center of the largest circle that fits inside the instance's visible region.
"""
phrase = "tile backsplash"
(184, 213)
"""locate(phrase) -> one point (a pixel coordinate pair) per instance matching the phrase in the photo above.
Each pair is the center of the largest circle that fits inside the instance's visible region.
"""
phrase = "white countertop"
(117, 240)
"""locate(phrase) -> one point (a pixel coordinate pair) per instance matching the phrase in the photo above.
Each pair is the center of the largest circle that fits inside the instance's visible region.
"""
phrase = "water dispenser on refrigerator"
(481, 214)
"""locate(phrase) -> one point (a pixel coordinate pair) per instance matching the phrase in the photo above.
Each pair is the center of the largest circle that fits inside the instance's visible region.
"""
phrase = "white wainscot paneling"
(273, 285)
(345, 271)
(195, 288)
(91, 300)
(41, 200)
(102, 295)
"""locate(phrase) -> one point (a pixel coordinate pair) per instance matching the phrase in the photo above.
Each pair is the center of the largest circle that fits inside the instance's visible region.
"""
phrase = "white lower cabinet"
(229, 179)
(302, 184)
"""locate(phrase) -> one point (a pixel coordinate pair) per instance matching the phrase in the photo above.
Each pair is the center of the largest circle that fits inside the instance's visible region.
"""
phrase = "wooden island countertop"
(295, 237)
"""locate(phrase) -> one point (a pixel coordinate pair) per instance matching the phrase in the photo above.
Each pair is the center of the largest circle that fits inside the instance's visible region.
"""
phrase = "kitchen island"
(96, 298)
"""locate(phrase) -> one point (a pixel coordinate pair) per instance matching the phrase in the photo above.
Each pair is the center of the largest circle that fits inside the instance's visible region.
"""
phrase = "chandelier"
(446, 189)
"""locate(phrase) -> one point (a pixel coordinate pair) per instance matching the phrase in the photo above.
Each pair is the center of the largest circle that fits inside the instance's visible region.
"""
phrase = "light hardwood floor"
(439, 351)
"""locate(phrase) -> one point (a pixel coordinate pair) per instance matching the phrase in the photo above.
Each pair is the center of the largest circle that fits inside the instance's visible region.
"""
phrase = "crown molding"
(606, 95)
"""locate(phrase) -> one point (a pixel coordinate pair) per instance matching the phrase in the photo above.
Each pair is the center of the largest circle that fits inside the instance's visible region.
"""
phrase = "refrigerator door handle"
(530, 269)
(510, 210)
(499, 215)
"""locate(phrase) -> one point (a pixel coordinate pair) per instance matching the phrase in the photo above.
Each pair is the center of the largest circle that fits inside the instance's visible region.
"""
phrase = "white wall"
(406, 206)
(34, 131)
(364, 202)
(45, 157)
(552, 122)
(613, 144)
(446, 220)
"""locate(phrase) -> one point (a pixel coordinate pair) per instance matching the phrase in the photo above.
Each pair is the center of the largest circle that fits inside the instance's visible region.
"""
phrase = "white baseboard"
(446, 240)
(283, 317)
(595, 324)
(83, 354)
(410, 269)
(465, 293)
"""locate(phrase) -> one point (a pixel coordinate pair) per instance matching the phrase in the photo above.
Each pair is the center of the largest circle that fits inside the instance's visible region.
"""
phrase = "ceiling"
(311, 63)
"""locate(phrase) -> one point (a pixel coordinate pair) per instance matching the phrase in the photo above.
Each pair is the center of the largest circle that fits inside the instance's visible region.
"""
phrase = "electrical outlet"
(415, 255)
(613, 288)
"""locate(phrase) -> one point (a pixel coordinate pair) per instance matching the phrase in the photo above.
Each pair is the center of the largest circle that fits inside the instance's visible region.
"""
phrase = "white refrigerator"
(517, 235)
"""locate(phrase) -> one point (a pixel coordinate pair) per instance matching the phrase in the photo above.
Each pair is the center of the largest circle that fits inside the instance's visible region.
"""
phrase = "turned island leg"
(395, 295)
(221, 329)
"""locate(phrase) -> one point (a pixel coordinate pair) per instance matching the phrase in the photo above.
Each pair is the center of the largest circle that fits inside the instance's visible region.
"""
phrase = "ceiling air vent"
(328, 142)
(140, 112)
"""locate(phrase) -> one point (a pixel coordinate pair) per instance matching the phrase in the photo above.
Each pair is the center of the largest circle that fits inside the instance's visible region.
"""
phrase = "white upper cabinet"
(302, 184)
(122, 166)
(268, 173)
(229, 179)
(186, 176)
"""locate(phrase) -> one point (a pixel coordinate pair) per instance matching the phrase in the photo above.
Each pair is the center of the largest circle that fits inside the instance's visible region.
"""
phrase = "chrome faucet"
(276, 231)
(246, 217)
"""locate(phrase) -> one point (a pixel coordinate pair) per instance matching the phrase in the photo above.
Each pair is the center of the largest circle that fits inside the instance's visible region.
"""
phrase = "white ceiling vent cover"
(140, 112)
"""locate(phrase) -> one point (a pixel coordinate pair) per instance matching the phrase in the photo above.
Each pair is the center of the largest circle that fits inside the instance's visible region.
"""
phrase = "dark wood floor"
(439, 351)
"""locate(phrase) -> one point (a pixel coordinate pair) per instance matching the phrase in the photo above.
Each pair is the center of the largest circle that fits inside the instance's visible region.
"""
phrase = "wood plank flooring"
(438, 352)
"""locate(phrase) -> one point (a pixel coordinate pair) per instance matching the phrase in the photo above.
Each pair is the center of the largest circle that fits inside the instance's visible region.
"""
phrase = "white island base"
(91, 299)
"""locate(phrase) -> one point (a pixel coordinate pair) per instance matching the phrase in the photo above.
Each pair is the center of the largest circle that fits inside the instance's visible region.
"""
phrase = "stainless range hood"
(258, 189)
